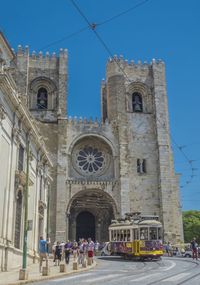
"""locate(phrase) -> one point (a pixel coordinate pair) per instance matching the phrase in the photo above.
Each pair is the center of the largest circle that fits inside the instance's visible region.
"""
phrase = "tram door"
(85, 226)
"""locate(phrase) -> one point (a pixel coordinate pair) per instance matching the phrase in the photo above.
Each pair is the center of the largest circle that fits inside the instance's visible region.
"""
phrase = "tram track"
(181, 272)
(188, 279)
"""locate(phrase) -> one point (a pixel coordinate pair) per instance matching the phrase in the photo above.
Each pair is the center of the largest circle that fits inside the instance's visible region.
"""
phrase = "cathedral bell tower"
(42, 82)
(134, 102)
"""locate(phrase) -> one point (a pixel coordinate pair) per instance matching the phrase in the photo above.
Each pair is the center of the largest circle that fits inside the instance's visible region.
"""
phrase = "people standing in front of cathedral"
(67, 250)
(90, 249)
(43, 251)
(85, 247)
(54, 249)
(81, 251)
(75, 250)
(169, 249)
(96, 247)
(58, 252)
(194, 247)
(62, 245)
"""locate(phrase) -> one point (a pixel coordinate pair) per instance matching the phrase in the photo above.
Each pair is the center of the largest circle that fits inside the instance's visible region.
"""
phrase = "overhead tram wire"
(66, 38)
(95, 25)
(189, 161)
(93, 28)
(123, 13)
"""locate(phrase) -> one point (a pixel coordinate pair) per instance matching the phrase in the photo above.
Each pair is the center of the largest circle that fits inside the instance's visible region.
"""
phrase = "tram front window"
(144, 233)
(153, 234)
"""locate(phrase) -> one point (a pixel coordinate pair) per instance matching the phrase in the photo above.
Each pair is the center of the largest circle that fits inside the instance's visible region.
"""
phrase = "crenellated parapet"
(41, 59)
(119, 65)
(125, 62)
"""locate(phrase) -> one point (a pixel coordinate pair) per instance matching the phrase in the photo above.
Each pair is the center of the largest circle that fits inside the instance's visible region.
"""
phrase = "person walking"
(90, 249)
(58, 252)
(194, 246)
(54, 249)
(75, 250)
(43, 252)
(81, 252)
(67, 249)
(96, 247)
(169, 249)
(62, 246)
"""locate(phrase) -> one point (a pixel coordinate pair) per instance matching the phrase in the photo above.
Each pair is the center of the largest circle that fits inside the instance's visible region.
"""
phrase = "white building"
(18, 132)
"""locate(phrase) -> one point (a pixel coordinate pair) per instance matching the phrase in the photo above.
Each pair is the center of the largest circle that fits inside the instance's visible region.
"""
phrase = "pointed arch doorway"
(89, 215)
(85, 225)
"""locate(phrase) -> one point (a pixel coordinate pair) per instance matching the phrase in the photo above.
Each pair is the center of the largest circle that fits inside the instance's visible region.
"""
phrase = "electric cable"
(189, 161)
(122, 13)
(65, 38)
(93, 28)
(93, 25)
(99, 37)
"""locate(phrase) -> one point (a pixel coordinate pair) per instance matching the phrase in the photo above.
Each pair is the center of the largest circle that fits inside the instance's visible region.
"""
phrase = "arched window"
(42, 98)
(137, 102)
(141, 165)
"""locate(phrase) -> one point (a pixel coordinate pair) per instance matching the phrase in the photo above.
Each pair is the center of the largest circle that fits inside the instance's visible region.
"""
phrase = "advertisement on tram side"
(121, 247)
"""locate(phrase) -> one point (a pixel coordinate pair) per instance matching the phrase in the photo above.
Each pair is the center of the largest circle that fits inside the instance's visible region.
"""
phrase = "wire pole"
(48, 218)
(26, 206)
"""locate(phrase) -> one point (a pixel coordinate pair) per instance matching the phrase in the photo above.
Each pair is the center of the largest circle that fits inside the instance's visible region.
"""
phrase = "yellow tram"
(137, 236)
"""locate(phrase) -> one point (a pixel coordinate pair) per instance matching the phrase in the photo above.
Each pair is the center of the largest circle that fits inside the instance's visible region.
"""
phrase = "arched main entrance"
(89, 215)
(85, 225)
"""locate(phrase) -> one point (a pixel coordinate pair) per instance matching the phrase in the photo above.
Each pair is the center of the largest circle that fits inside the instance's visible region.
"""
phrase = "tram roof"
(134, 223)
(150, 222)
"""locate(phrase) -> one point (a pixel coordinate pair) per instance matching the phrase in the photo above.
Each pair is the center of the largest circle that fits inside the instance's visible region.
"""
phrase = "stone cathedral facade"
(102, 170)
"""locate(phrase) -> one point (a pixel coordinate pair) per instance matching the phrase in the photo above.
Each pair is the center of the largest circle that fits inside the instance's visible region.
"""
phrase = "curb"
(43, 278)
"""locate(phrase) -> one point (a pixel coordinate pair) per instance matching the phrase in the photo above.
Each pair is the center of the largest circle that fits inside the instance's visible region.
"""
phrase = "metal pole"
(26, 206)
(48, 205)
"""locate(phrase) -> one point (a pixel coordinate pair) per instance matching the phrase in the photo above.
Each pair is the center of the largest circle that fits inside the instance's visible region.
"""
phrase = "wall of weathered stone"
(130, 135)
(39, 66)
(70, 182)
(49, 132)
(144, 135)
(169, 192)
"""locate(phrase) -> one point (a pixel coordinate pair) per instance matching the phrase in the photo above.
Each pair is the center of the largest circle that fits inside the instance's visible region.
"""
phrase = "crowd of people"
(172, 250)
(63, 250)
(78, 250)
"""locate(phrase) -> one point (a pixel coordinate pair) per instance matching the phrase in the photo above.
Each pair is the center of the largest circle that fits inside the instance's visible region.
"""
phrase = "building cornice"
(6, 44)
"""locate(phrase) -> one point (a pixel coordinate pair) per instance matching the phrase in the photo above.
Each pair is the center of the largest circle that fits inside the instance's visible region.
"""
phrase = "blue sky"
(161, 29)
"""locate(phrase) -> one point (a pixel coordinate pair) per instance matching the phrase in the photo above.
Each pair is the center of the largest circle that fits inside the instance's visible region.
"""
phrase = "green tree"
(191, 225)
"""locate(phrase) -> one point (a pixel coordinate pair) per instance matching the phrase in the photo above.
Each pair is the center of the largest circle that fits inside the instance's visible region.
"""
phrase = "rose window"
(90, 160)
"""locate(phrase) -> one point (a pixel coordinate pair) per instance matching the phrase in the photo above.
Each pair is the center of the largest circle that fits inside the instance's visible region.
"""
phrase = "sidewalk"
(12, 277)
